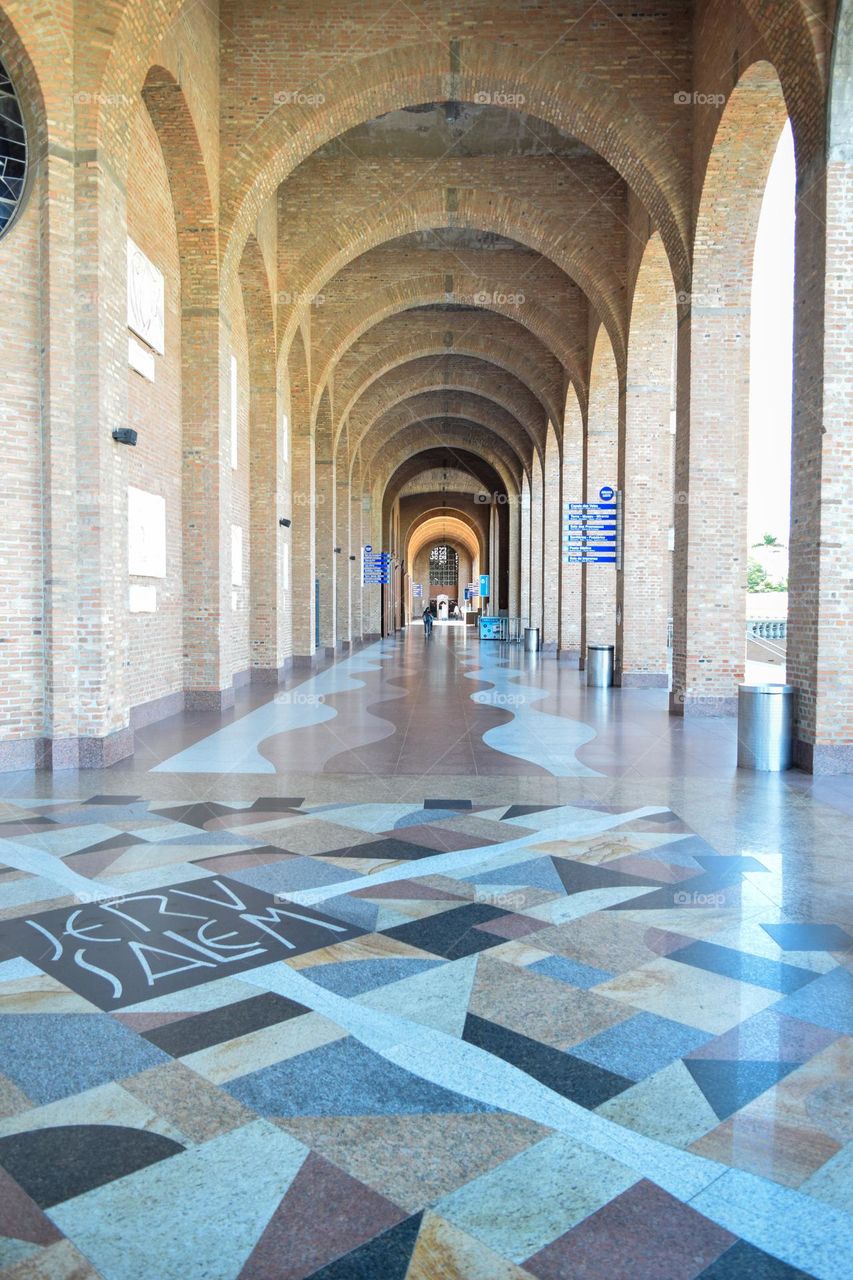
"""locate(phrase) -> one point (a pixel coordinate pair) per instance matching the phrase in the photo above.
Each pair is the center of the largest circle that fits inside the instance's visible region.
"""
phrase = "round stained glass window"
(13, 151)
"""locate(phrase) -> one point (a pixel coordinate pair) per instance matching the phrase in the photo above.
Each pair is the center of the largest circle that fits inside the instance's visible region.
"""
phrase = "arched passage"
(206, 496)
(709, 607)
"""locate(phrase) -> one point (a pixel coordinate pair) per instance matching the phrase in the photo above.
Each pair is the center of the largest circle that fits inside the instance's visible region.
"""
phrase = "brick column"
(571, 490)
(514, 554)
(525, 550)
(536, 534)
(99, 484)
(326, 560)
(820, 603)
(343, 568)
(551, 545)
(645, 479)
(302, 541)
(371, 533)
(601, 468)
(357, 542)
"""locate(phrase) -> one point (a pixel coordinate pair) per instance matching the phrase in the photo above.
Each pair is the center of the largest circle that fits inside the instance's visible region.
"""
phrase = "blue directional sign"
(375, 567)
(417, 589)
(591, 530)
(484, 585)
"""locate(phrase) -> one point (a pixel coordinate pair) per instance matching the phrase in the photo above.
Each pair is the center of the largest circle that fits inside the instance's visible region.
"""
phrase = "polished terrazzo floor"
(579, 1006)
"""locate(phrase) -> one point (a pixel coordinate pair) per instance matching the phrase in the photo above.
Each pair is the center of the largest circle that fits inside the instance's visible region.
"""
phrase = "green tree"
(756, 576)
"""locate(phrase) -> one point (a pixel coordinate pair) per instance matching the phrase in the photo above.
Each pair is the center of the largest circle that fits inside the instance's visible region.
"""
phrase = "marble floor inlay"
(434, 1034)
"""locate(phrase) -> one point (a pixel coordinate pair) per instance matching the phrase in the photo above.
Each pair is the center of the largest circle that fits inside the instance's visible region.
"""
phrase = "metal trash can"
(531, 639)
(765, 727)
(599, 665)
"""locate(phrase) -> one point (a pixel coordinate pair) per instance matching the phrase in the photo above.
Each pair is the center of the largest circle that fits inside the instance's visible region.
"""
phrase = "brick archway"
(541, 317)
(709, 607)
(482, 211)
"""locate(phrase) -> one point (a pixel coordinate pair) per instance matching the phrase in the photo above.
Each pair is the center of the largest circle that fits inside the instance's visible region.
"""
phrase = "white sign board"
(146, 309)
(236, 556)
(146, 534)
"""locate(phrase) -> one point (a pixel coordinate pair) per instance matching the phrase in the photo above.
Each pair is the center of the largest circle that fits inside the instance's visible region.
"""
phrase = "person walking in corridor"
(427, 621)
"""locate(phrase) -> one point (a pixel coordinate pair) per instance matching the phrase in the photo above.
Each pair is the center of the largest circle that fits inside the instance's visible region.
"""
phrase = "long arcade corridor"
(434, 963)
(332, 949)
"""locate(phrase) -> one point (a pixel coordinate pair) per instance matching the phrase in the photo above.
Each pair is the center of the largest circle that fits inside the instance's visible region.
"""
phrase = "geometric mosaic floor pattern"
(278, 1039)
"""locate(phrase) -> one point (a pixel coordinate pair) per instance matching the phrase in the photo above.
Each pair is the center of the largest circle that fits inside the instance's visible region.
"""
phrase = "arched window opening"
(13, 152)
(770, 404)
(443, 566)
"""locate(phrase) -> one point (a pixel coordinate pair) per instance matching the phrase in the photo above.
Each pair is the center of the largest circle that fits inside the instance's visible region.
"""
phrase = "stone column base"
(305, 661)
(702, 705)
(66, 753)
(823, 758)
(644, 680)
(209, 699)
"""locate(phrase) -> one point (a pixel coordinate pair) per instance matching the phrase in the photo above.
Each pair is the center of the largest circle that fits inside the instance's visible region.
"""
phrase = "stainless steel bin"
(765, 727)
(531, 639)
(599, 665)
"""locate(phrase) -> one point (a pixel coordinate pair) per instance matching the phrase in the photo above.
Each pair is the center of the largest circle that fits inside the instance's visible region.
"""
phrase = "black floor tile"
(451, 933)
(226, 1023)
(582, 1082)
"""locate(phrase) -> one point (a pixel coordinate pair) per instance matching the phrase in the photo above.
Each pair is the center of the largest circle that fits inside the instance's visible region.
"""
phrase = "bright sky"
(771, 341)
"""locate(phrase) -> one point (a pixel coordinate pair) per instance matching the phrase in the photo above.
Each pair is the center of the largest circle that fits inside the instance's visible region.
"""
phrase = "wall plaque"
(145, 298)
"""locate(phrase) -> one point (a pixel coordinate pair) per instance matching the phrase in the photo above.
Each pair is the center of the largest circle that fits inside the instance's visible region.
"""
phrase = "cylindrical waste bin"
(599, 665)
(531, 639)
(765, 727)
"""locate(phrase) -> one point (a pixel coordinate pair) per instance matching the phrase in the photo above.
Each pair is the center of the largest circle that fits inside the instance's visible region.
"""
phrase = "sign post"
(591, 530)
(375, 567)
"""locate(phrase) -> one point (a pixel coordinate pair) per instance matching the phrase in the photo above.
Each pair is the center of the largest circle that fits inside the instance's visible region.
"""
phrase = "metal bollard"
(531, 639)
(599, 665)
(765, 727)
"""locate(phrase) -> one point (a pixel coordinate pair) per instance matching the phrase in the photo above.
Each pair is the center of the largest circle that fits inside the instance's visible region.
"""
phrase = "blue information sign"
(591, 530)
(484, 585)
(375, 567)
